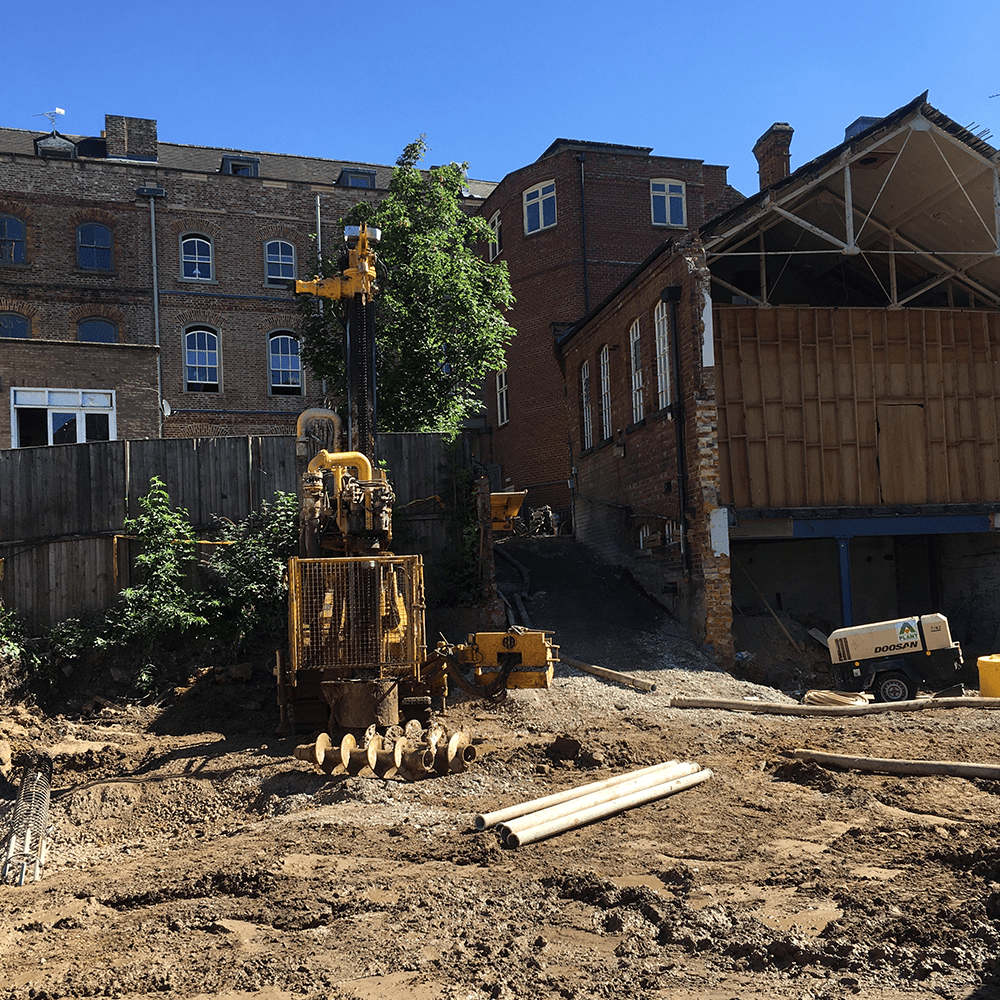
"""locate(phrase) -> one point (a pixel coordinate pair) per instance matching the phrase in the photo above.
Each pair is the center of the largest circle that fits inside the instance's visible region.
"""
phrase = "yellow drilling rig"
(357, 653)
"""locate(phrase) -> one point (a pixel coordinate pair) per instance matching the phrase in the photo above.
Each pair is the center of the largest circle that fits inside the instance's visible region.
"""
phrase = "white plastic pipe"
(483, 820)
(543, 830)
(633, 784)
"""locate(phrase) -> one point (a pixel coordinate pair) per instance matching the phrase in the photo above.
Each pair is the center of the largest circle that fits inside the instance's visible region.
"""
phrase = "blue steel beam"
(843, 529)
(853, 527)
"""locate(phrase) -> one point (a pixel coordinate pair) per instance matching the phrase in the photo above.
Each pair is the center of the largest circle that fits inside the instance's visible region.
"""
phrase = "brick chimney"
(131, 138)
(771, 150)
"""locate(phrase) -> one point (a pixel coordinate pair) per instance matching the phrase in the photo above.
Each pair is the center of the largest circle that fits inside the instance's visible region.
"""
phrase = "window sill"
(607, 442)
(544, 229)
(284, 285)
(635, 426)
(587, 452)
(96, 272)
(664, 413)
(670, 225)
(198, 281)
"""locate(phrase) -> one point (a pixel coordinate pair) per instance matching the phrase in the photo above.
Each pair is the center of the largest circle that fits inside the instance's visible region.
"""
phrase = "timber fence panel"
(61, 507)
(272, 464)
(204, 476)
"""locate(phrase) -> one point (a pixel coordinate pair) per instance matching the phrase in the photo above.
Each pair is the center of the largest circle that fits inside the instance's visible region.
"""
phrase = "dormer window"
(240, 166)
(55, 147)
(356, 178)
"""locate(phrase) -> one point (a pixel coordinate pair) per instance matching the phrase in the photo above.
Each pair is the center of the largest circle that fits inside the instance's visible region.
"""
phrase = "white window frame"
(209, 352)
(285, 257)
(605, 375)
(661, 318)
(196, 256)
(666, 194)
(503, 400)
(585, 406)
(495, 249)
(541, 197)
(78, 402)
(635, 356)
(279, 388)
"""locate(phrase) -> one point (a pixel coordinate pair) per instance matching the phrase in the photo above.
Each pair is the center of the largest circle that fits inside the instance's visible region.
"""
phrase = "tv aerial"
(51, 115)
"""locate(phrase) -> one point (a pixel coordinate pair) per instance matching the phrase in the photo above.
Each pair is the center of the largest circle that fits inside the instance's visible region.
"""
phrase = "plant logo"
(907, 632)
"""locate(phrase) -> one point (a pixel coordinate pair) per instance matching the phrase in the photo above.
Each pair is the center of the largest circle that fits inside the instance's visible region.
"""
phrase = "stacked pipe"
(540, 818)
(409, 753)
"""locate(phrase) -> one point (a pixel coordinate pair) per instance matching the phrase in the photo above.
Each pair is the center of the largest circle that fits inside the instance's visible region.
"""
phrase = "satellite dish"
(165, 406)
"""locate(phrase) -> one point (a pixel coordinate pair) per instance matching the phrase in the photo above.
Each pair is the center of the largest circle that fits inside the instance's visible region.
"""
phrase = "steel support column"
(846, 598)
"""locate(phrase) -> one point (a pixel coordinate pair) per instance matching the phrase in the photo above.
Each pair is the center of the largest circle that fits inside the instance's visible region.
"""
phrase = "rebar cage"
(356, 616)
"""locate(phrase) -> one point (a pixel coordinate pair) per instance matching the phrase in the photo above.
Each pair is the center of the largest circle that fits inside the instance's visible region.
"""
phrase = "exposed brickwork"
(128, 137)
(130, 371)
(603, 202)
(772, 152)
(633, 482)
(237, 214)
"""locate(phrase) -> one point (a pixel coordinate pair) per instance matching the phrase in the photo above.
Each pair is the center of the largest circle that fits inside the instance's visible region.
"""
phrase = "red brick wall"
(633, 479)
(547, 275)
(237, 213)
(129, 370)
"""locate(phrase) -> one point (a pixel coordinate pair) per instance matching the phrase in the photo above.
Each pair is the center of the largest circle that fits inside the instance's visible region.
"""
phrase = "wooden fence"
(61, 508)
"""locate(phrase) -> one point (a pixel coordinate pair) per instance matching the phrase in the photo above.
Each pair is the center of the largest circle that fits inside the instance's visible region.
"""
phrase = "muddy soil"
(192, 856)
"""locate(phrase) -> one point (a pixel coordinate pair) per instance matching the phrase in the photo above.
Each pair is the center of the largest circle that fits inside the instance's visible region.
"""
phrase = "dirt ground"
(192, 856)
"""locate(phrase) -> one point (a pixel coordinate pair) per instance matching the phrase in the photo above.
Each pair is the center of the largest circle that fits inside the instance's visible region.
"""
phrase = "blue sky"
(494, 84)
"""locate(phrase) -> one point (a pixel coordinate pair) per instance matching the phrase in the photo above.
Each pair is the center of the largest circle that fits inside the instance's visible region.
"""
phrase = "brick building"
(571, 226)
(143, 283)
(801, 398)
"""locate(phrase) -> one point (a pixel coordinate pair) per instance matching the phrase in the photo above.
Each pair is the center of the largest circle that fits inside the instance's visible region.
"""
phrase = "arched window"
(93, 247)
(662, 320)
(14, 325)
(201, 361)
(196, 257)
(285, 364)
(279, 262)
(503, 402)
(12, 240)
(586, 412)
(604, 371)
(95, 330)
(495, 248)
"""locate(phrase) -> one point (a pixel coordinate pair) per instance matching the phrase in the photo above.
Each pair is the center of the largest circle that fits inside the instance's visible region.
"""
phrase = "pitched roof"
(207, 159)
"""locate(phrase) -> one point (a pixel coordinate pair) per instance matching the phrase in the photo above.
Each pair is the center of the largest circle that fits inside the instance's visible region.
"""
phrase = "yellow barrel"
(989, 676)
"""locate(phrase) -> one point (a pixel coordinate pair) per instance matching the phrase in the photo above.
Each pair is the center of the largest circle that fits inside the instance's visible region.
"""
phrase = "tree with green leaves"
(440, 326)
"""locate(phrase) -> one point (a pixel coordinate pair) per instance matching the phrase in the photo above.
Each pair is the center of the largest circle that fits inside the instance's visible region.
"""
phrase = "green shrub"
(249, 573)
(182, 600)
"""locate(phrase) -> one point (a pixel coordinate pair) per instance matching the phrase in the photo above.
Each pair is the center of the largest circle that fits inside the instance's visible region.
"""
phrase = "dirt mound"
(192, 856)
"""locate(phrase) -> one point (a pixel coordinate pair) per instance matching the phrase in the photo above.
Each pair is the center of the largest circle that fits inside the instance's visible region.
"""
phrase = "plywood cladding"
(857, 407)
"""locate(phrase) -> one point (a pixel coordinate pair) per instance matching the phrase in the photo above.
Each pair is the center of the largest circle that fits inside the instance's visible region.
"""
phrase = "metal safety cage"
(356, 616)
